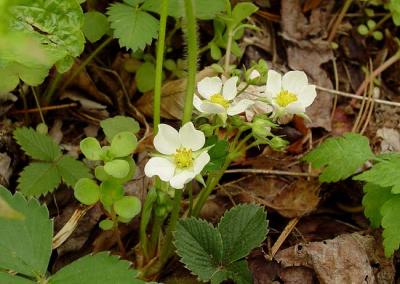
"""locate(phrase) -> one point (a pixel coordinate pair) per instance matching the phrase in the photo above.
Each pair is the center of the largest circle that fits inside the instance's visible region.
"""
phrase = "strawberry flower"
(181, 157)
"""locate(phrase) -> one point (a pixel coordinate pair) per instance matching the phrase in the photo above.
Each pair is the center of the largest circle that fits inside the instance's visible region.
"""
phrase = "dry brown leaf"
(297, 275)
(390, 139)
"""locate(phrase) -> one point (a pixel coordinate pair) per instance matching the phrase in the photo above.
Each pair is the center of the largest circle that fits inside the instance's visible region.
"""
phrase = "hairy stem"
(191, 37)
(228, 50)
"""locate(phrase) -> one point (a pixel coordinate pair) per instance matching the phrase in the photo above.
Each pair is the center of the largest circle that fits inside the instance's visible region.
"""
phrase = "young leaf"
(145, 77)
(106, 224)
(241, 11)
(87, 191)
(391, 225)
(385, 173)
(340, 157)
(91, 148)
(100, 268)
(95, 26)
(72, 170)
(123, 144)
(127, 207)
(110, 192)
(199, 245)
(25, 245)
(38, 178)
(37, 145)
(375, 196)
(117, 168)
(114, 125)
(133, 27)
(242, 229)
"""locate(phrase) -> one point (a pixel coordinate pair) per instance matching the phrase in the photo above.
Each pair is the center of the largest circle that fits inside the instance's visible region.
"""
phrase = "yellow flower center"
(284, 98)
(183, 158)
(219, 99)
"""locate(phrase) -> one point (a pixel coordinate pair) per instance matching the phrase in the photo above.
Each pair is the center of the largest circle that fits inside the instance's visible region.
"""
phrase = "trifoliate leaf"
(87, 191)
(340, 157)
(117, 168)
(127, 207)
(238, 272)
(39, 178)
(72, 170)
(91, 148)
(391, 225)
(95, 26)
(123, 144)
(133, 27)
(25, 245)
(385, 173)
(38, 146)
(114, 125)
(199, 245)
(110, 192)
(145, 77)
(7, 278)
(375, 196)
(242, 229)
(100, 268)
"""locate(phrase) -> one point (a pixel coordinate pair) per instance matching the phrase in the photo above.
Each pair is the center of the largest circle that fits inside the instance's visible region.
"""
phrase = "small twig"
(46, 108)
(339, 19)
(38, 105)
(269, 172)
(283, 236)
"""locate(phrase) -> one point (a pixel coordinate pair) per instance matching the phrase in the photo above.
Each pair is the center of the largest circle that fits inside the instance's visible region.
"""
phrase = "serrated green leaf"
(72, 170)
(340, 157)
(133, 27)
(87, 191)
(114, 125)
(391, 225)
(242, 229)
(117, 168)
(25, 245)
(38, 178)
(237, 271)
(385, 173)
(7, 212)
(218, 153)
(95, 26)
(37, 145)
(100, 268)
(375, 196)
(145, 77)
(91, 148)
(123, 144)
(199, 245)
(241, 11)
(127, 207)
(6, 278)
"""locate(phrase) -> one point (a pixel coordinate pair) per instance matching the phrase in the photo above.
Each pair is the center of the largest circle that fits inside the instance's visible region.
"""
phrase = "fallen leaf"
(390, 139)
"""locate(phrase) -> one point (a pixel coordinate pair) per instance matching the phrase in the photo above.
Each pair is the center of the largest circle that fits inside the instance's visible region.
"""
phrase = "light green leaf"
(375, 196)
(100, 268)
(241, 11)
(91, 148)
(72, 170)
(106, 224)
(7, 278)
(242, 229)
(110, 192)
(7, 212)
(394, 7)
(385, 173)
(127, 207)
(38, 178)
(133, 27)
(95, 26)
(87, 191)
(114, 125)
(340, 157)
(145, 77)
(391, 225)
(123, 144)
(25, 245)
(117, 168)
(101, 174)
(38, 146)
(199, 245)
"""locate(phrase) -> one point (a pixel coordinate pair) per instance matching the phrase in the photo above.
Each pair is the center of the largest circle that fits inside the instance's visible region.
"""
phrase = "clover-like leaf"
(127, 207)
(91, 148)
(95, 25)
(106, 224)
(117, 168)
(114, 125)
(123, 144)
(110, 191)
(87, 191)
(145, 77)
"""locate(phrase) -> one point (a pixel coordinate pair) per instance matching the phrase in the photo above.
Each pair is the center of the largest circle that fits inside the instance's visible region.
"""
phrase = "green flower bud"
(207, 129)
(42, 128)
(277, 143)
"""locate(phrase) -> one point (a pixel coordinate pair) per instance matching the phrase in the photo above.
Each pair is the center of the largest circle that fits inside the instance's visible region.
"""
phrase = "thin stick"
(354, 96)
(339, 19)
(38, 105)
(46, 108)
(269, 172)
(283, 236)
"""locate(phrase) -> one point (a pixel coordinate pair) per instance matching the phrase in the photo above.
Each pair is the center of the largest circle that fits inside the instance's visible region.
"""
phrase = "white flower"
(218, 97)
(254, 74)
(290, 93)
(182, 156)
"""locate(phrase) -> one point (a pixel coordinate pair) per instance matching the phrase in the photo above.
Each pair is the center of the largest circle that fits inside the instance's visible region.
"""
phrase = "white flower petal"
(167, 140)
(307, 95)
(295, 107)
(254, 74)
(191, 138)
(294, 81)
(197, 102)
(229, 90)
(200, 162)
(179, 180)
(239, 107)
(209, 107)
(158, 166)
(274, 84)
(209, 86)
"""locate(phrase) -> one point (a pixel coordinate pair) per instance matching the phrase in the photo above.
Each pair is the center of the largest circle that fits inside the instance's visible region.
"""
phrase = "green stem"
(244, 140)
(159, 64)
(155, 233)
(52, 88)
(192, 59)
(228, 50)
(38, 105)
(167, 246)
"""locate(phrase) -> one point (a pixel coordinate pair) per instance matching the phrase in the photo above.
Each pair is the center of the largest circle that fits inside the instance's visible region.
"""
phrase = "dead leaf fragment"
(390, 139)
